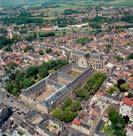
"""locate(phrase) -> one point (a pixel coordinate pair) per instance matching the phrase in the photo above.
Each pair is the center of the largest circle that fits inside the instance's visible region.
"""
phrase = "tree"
(68, 110)
(9, 86)
(23, 79)
(31, 71)
(12, 76)
(126, 119)
(83, 40)
(113, 115)
(4, 135)
(41, 52)
(48, 50)
(130, 95)
(118, 58)
(58, 113)
(69, 115)
(128, 18)
(12, 66)
(75, 106)
(8, 49)
(5, 41)
(124, 87)
(67, 103)
(27, 82)
(43, 72)
(117, 122)
(113, 89)
(70, 12)
(19, 76)
(43, 34)
(28, 48)
(130, 56)
(82, 93)
(15, 91)
(120, 82)
(12, 87)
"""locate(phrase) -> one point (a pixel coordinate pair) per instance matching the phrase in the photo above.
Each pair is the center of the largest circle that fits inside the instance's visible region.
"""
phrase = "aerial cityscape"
(66, 67)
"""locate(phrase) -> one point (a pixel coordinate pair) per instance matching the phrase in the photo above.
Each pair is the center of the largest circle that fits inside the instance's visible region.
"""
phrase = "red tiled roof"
(131, 85)
(130, 79)
(76, 122)
(130, 82)
(128, 101)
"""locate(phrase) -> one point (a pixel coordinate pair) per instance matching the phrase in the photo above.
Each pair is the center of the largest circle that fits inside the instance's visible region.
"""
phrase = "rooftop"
(56, 85)
(128, 101)
(76, 122)
(80, 53)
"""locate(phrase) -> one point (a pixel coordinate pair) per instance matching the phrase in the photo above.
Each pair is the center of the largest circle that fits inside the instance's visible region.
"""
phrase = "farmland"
(61, 4)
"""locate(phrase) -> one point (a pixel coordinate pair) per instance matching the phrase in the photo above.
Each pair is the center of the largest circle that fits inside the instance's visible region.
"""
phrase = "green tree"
(43, 72)
(12, 76)
(58, 113)
(12, 66)
(75, 106)
(28, 48)
(124, 87)
(48, 34)
(8, 49)
(83, 93)
(4, 135)
(69, 115)
(83, 40)
(9, 86)
(113, 89)
(118, 58)
(48, 50)
(41, 52)
(130, 56)
(113, 115)
(15, 91)
(67, 103)
(19, 76)
(27, 82)
(31, 71)
(23, 79)
(117, 122)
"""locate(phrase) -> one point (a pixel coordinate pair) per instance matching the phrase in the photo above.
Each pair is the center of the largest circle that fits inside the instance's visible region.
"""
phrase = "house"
(130, 130)
(126, 108)
(80, 126)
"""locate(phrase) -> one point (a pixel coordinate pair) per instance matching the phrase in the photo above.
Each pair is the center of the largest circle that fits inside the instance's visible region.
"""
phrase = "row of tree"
(83, 40)
(91, 86)
(128, 19)
(23, 79)
(70, 12)
(23, 20)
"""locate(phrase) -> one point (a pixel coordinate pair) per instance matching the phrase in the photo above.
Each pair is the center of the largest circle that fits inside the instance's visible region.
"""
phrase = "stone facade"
(86, 59)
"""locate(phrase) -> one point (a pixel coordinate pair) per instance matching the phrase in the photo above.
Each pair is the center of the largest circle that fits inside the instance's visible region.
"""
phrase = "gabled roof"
(80, 53)
(76, 122)
(128, 101)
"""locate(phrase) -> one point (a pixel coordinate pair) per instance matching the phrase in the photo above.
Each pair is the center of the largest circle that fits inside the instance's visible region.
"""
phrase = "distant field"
(65, 3)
